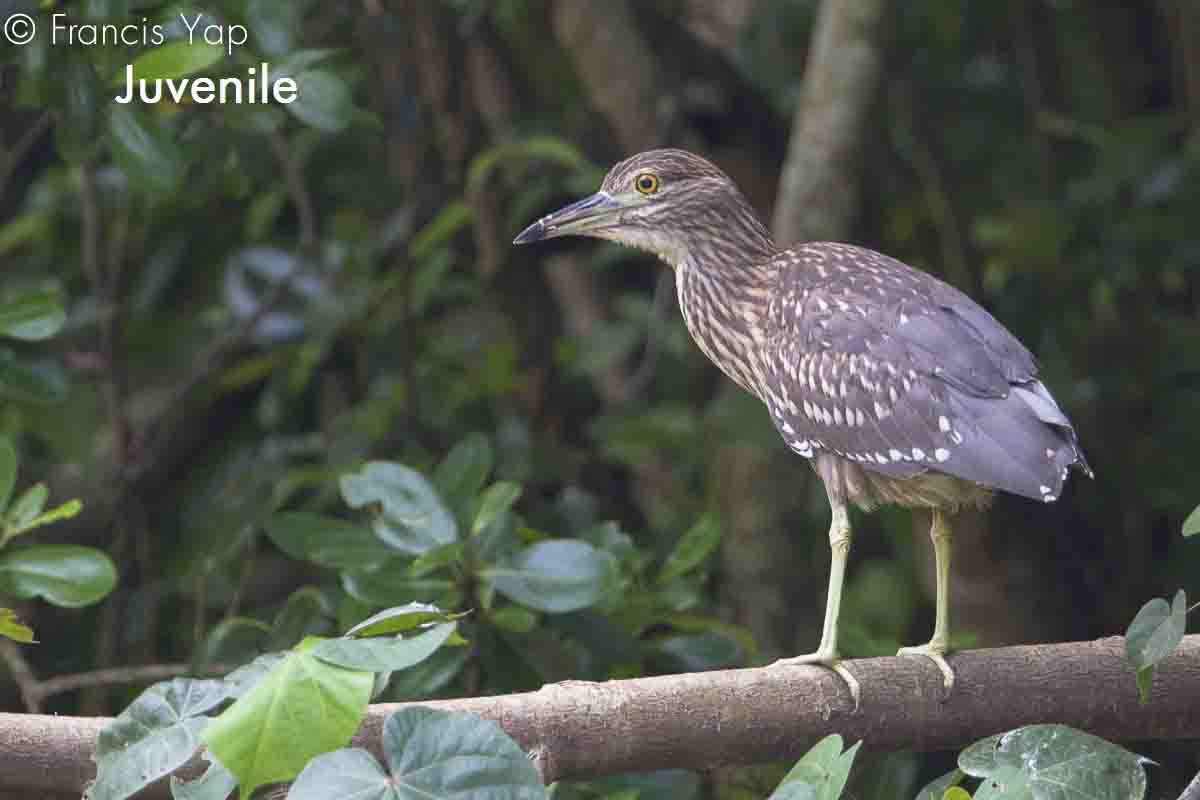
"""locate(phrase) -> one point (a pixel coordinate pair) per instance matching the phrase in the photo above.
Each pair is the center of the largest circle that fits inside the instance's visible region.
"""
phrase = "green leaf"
(515, 619)
(62, 574)
(441, 754)
(27, 507)
(1152, 636)
(348, 773)
(175, 59)
(692, 548)
(463, 471)
(32, 316)
(8, 471)
(545, 148)
(556, 576)
(432, 560)
(1156, 631)
(384, 655)
(322, 101)
(326, 541)
(215, 784)
(955, 793)
(1191, 525)
(497, 500)
(12, 628)
(430, 676)
(154, 736)
(1055, 761)
(401, 619)
(145, 150)
(390, 584)
(936, 789)
(306, 613)
(233, 640)
(22, 523)
(302, 708)
(413, 519)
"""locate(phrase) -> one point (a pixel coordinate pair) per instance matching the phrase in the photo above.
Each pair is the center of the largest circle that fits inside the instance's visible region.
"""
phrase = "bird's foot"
(935, 652)
(830, 660)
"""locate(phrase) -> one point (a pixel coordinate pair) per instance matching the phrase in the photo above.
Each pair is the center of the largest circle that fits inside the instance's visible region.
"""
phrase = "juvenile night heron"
(897, 387)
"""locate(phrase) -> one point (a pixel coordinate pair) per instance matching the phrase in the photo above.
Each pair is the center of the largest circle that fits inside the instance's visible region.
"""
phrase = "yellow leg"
(939, 645)
(826, 653)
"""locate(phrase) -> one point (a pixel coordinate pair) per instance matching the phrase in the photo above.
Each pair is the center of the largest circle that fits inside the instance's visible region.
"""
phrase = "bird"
(897, 387)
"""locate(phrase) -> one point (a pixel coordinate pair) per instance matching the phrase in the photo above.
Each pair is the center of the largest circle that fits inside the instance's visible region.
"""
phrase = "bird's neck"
(724, 290)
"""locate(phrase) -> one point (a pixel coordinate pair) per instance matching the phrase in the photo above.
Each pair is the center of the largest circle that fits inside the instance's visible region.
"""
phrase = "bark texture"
(579, 729)
(818, 193)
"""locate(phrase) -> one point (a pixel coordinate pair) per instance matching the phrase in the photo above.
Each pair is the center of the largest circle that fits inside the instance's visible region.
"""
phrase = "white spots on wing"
(892, 394)
(882, 412)
(788, 429)
(943, 424)
(941, 454)
(1050, 453)
(859, 417)
(1045, 489)
(918, 454)
(801, 446)
(895, 454)
(837, 416)
(903, 318)
(1049, 498)
(956, 437)
(821, 304)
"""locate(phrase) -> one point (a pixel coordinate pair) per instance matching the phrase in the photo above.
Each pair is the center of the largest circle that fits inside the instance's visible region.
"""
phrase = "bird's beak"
(588, 214)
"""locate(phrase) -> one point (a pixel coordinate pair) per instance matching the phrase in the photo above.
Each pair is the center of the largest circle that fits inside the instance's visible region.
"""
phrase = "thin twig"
(23, 675)
(20, 149)
(119, 676)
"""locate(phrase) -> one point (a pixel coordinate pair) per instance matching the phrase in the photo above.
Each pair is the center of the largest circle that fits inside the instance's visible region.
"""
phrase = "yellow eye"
(646, 183)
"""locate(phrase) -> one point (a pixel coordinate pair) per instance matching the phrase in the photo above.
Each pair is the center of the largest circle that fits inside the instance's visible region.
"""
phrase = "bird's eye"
(646, 183)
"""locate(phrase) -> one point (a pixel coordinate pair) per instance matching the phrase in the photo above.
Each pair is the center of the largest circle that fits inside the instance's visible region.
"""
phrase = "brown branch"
(118, 676)
(579, 729)
(818, 194)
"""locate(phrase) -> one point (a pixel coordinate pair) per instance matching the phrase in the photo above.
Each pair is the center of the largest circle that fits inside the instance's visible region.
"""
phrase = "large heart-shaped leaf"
(63, 574)
(154, 736)
(454, 755)
(303, 707)
(1153, 635)
(557, 575)
(413, 518)
(1055, 762)
(824, 770)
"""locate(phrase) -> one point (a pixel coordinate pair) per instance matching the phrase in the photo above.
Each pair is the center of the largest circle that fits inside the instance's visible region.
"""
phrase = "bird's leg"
(826, 653)
(942, 538)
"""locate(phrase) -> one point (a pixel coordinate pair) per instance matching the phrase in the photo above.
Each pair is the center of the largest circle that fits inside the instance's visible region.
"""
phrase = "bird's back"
(874, 364)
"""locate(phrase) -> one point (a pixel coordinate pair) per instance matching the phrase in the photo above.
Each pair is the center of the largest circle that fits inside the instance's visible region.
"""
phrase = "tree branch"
(579, 729)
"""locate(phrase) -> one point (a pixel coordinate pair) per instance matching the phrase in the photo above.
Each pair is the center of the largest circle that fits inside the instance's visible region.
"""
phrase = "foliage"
(285, 357)
(63, 575)
(287, 708)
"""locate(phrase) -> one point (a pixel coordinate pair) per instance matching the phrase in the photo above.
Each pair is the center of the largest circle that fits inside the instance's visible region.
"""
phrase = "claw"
(829, 661)
(934, 653)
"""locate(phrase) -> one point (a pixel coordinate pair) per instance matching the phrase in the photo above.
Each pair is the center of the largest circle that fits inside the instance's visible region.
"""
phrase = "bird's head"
(669, 202)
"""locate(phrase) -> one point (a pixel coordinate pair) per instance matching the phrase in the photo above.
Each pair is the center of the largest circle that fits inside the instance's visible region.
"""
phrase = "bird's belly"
(849, 481)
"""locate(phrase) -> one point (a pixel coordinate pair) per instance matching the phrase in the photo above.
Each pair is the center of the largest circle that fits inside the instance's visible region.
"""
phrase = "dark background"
(1041, 156)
